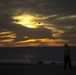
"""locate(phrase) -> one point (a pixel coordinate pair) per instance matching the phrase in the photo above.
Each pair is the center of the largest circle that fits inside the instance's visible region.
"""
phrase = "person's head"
(66, 45)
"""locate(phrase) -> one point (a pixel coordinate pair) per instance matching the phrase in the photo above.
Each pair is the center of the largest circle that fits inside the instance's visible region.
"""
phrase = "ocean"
(35, 53)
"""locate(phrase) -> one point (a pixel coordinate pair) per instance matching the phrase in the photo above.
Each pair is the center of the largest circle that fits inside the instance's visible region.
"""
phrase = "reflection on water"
(29, 58)
(35, 53)
(26, 57)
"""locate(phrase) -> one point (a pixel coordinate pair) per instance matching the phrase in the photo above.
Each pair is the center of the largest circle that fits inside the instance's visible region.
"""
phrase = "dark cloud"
(62, 24)
(64, 7)
(68, 26)
(70, 35)
(45, 7)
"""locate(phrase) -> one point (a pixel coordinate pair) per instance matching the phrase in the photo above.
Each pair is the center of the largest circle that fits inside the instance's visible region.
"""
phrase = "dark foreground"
(35, 69)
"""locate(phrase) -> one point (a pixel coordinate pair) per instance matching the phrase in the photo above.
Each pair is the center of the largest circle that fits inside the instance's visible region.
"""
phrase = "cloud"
(70, 35)
(61, 22)
(45, 7)
(67, 24)
(21, 31)
(58, 16)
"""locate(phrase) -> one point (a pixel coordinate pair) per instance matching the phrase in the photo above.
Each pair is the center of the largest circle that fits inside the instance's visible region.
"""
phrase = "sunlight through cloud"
(26, 20)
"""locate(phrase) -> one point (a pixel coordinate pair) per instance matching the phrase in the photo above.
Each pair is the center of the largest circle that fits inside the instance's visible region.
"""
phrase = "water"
(35, 53)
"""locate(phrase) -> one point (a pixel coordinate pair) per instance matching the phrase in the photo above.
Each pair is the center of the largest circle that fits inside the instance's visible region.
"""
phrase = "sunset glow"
(26, 20)
(37, 23)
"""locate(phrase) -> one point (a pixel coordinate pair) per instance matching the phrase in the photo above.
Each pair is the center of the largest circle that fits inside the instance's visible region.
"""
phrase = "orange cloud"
(36, 42)
(5, 32)
(7, 40)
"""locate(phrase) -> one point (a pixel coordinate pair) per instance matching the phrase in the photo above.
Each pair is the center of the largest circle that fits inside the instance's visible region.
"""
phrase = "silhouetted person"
(67, 56)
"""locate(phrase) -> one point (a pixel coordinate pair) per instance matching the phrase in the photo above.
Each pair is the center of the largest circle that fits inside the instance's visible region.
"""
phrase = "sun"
(26, 20)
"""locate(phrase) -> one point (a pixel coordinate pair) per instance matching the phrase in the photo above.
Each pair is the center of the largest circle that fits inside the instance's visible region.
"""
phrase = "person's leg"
(70, 65)
(65, 62)
(69, 62)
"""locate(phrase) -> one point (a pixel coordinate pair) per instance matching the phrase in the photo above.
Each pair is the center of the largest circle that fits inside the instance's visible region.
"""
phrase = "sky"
(37, 23)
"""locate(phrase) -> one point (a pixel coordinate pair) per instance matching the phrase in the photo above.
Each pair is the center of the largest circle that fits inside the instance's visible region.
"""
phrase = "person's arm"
(64, 51)
(69, 51)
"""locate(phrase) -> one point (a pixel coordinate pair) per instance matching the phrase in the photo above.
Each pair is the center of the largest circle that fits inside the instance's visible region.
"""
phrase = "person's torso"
(66, 51)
